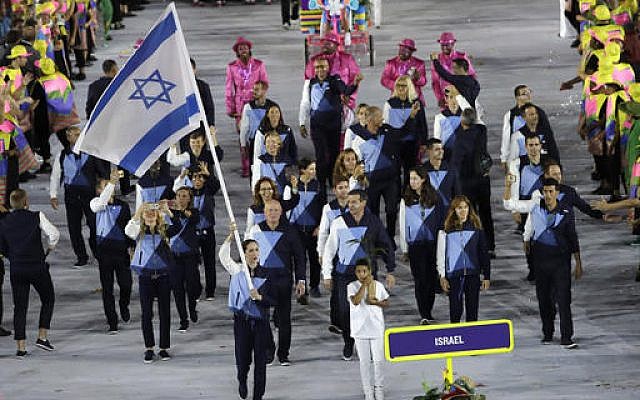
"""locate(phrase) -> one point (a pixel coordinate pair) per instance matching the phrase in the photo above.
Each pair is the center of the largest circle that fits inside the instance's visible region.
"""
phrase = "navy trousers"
(252, 336)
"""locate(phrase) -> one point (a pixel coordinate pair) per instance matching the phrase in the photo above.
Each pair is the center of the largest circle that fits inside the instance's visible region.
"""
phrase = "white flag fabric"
(151, 103)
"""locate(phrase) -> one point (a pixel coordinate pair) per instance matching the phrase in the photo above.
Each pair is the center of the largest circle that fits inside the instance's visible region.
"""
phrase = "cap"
(18, 51)
(602, 13)
(331, 37)
(47, 66)
(408, 43)
(240, 41)
(447, 38)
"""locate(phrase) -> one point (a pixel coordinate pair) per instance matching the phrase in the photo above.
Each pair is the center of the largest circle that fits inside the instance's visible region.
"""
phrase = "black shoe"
(26, 176)
(335, 330)
(347, 351)
(4, 332)
(124, 314)
(285, 362)
(194, 316)
(108, 38)
(113, 330)
(575, 44)
(145, 2)
(149, 356)
(569, 344)
(136, 8)
(595, 176)
(78, 77)
(315, 292)
(183, 327)
(81, 262)
(303, 300)
(44, 344)
(21, 353)
(129, 14)
(118, 25)
(243, 391)
(164, 355)
(547, 340)
(45, 168)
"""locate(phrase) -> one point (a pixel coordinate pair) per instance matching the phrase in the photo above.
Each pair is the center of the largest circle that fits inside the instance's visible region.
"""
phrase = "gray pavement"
(511, 42)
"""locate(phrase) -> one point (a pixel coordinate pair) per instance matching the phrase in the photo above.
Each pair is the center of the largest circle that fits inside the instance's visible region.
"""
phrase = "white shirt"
(367, 320)
(51, 231)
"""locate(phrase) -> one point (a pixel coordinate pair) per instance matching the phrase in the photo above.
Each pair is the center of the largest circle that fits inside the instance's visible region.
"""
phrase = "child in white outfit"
(367, 298)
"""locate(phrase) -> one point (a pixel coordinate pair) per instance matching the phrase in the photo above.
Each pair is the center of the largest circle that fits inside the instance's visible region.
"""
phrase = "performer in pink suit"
(405, 64)
(242, 74)
(446, 56)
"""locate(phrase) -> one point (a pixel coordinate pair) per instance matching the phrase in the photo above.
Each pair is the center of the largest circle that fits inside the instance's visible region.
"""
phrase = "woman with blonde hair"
(462, 255)
(151, 261)
(412, 132)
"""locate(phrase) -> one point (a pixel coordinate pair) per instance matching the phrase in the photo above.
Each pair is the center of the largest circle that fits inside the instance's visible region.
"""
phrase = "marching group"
(324, 211)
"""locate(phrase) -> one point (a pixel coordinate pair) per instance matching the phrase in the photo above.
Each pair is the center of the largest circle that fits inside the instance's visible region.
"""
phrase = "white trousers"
(371, 356)
(377, 12)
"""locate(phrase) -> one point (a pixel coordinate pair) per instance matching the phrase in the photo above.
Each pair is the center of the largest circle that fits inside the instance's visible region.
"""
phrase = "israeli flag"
(151, 103)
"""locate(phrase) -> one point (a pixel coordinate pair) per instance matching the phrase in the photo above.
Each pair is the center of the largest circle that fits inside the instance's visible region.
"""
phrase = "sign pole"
(449, 372)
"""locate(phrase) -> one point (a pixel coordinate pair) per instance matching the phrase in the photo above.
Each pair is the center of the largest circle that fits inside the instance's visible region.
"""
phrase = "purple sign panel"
(422, 342)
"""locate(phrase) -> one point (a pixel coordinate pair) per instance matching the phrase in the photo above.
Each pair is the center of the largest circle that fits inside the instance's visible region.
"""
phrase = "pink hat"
(241, 41)
(331, 37)
(447, 38)
(408, 43)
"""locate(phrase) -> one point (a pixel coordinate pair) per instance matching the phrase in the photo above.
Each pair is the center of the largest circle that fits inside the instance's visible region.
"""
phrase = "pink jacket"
(341, 64)
(238, 88)
(396, 67)
(438, 84)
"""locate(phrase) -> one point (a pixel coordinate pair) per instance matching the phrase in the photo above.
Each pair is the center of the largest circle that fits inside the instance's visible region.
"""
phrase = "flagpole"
(223, 186)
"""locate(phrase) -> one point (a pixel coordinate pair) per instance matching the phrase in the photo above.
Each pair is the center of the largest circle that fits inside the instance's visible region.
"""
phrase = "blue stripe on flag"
(161, 131)
(163, 31)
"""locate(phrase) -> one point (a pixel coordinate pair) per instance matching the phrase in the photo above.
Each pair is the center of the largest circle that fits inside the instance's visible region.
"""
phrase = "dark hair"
(530, 136)
(427, 196)
(550, 163)
(193, 62)
(338, 178)
(188, 189)
(360, 193)
(197, 134)
(108, 65)
(462, 63)
(265, 124)
(247, 242)
(365, 262)
(469, 116)
(257, 200)
(17, 21)
(517, 89)
(31, 22)
(526, 106)
(13, 37)
(431, 141)
(305, 162)
(550, 182)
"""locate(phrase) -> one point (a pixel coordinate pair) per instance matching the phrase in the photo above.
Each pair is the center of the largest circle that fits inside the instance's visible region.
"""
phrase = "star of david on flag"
(150, 96)
(151, 103)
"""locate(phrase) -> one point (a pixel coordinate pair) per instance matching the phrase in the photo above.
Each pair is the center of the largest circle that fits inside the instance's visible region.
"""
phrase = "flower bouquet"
(463, 388)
